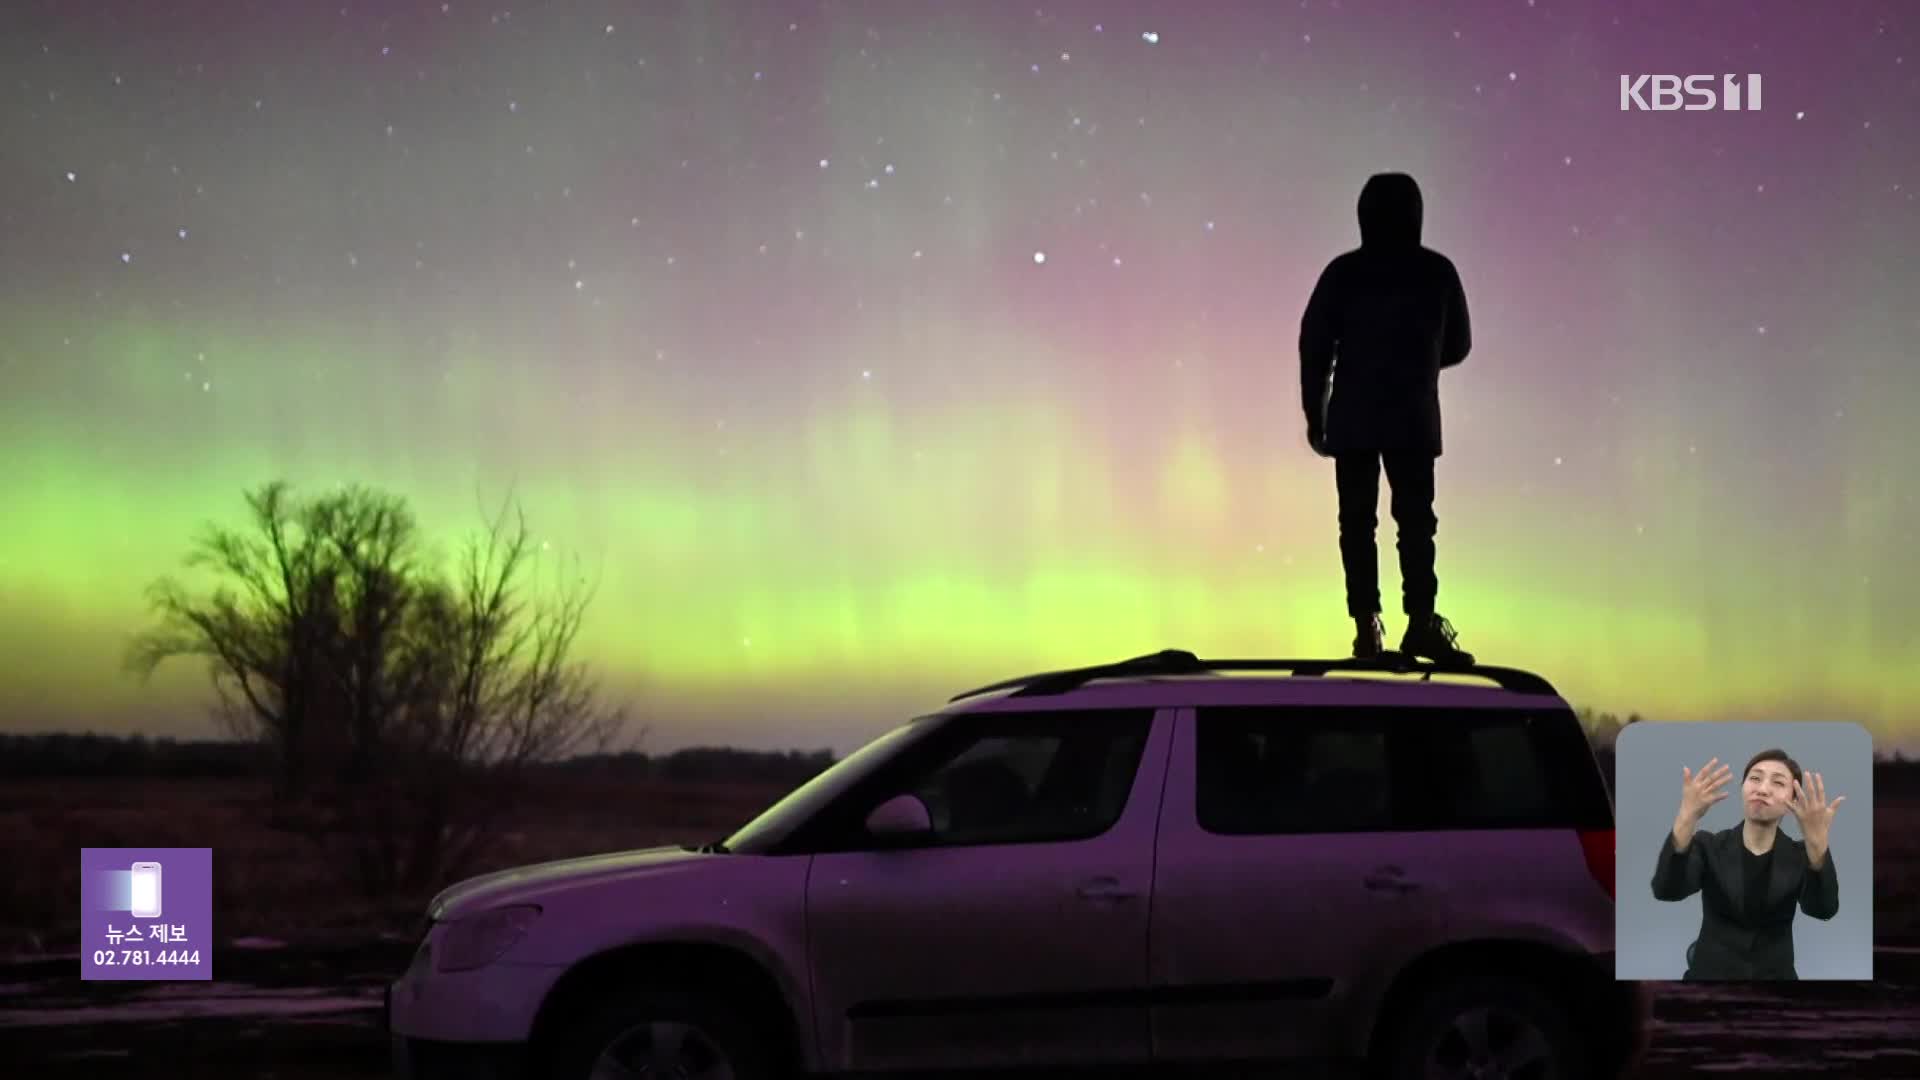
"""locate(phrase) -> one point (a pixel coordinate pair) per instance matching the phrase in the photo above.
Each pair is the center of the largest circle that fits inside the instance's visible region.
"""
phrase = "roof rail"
(1182, 662)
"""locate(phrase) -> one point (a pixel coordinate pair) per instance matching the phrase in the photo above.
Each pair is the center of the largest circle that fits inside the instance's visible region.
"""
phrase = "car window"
(1508, 768)
(1057, 778)
(1266, 771)
(1503, 775)
(774, 825)
(1298, 770)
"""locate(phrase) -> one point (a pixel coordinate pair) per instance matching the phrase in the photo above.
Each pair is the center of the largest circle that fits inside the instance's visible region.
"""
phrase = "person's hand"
(1317, 438)
(1811, 809)
(1699, 791)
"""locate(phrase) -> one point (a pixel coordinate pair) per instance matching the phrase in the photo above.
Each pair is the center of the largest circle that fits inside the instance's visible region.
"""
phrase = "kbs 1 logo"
(1666, 93)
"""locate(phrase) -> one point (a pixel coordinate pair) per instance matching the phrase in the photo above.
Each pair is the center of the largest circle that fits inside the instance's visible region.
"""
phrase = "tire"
(714, 1041)
(1521, 1031)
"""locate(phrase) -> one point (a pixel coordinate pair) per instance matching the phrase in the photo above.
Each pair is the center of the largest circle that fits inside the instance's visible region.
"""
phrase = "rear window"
(1514, 769)
(1292, 770)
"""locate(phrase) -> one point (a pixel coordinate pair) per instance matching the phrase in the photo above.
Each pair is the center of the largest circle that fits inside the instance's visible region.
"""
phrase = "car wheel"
(660, 1035)
(1486, 1028)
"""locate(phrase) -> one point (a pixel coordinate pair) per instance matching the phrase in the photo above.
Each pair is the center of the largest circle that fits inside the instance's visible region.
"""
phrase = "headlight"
(479, 940)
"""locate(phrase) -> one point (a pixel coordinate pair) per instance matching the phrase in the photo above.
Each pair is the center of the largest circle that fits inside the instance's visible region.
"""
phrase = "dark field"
(301, 969)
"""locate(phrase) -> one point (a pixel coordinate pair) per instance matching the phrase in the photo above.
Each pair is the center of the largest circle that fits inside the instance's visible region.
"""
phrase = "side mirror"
(900, 817)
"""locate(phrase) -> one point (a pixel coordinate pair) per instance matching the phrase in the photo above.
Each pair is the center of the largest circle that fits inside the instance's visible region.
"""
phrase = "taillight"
(1597, 846)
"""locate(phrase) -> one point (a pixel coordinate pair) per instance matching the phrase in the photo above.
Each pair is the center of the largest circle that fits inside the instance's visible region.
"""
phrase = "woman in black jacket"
(1751, 878)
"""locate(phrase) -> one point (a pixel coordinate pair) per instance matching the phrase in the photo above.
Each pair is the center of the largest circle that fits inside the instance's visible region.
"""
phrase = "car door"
(1281, 879)
(1016, 932)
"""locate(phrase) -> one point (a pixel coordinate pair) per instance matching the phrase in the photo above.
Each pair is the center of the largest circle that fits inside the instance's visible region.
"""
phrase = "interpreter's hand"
(1699, 791)
(1811, 809)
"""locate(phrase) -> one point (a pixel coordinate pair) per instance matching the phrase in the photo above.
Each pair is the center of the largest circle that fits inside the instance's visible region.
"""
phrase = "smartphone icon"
(146, 890)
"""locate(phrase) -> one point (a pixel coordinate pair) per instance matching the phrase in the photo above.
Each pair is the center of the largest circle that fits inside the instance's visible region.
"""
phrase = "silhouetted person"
(1383, 321)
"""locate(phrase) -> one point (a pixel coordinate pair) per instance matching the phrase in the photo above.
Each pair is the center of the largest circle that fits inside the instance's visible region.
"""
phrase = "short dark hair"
(1775, 754)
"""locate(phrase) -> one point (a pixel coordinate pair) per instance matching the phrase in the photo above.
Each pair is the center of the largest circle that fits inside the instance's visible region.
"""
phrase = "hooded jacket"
(1383, 321)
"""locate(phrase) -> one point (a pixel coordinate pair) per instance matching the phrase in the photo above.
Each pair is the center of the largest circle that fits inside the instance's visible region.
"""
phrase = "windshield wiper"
(718, 847)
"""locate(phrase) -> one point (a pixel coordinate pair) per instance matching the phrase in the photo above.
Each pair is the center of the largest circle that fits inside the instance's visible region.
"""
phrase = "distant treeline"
(96, 755)
(705, 763)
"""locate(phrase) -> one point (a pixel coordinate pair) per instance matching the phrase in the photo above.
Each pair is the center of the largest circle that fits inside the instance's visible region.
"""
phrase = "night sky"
(868, 352)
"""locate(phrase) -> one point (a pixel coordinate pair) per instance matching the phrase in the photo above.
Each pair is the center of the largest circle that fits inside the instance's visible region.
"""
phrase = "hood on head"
(1390, 211)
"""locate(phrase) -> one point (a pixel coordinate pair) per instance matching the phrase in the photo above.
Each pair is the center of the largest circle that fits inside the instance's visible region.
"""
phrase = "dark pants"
(1410, 480)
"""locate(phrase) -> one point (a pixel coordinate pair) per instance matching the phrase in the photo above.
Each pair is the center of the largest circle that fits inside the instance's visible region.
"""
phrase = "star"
(1039, 257)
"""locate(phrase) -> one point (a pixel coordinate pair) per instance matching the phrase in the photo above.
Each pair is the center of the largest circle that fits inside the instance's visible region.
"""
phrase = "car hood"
(524, 882)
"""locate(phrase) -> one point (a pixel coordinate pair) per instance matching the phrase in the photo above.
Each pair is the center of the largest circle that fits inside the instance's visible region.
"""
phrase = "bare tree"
(493, 692)
(270, 631)
(402, 708)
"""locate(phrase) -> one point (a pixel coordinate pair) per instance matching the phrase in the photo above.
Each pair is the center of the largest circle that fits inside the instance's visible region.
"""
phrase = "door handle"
(1104, 888)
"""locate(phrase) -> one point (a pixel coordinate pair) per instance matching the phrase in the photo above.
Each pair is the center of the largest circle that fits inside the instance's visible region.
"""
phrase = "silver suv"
(1151, 861)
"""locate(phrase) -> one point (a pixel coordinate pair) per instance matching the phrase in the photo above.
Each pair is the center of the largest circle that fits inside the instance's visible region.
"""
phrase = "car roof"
(1178, 678)
(1250, 690)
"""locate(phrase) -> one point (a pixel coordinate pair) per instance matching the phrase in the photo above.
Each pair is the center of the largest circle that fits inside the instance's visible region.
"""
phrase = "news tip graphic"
(146, 914)
(1766, 869)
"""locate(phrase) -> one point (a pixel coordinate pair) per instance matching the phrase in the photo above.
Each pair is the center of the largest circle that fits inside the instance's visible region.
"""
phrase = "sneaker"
(1371, 639)
(1432, 637)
